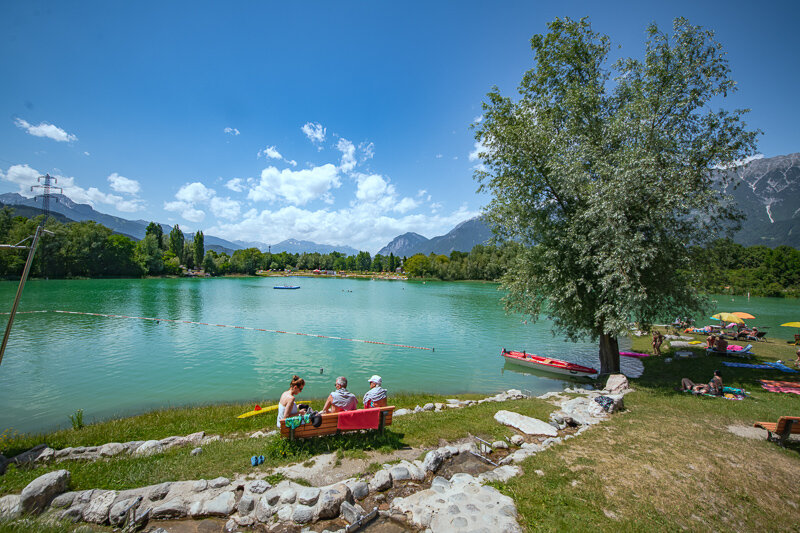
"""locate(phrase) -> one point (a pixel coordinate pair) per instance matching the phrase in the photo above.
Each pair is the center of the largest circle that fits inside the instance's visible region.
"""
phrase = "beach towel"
(791, 387)
(360, 419)
(748, 365)
(781, 366)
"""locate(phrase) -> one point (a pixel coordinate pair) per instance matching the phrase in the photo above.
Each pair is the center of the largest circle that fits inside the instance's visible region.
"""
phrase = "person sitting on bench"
(714, 386)
(710, 341)
(287, 406)
(376, 395)
(341, 399)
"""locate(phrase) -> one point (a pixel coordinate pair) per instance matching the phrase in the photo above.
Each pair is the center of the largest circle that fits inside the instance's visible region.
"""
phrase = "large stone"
(29, 456)
(111, 449)
(219, 482)
(433, 460)
(461, 504)
(617, 383)
(428, 407)
(118, 511)
(97, 510)
(401, 412)
(400, 473)
(349, 512)
(40, 492)
(381, 481)
(272, 496)
(149, 447)
(288, 495)
(359, 489)
(246, 504)
(158, 492)
(517, 440)
(62, 501)
(174, 508)
(258, 486)
(9, 506)
(331, 500)
(222, 505)
(308, 496)
(200, 485)
(302, 514)
(264, 510)
(526, 424)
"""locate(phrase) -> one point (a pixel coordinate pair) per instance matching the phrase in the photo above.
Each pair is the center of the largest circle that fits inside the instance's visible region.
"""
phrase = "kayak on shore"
(549, 364)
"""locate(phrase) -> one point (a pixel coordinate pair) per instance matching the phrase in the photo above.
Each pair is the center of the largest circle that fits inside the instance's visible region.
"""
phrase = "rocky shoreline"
(407, 492)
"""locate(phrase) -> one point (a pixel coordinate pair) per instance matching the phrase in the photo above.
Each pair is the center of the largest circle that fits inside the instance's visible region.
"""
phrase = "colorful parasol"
(727, 317)
(743, 315)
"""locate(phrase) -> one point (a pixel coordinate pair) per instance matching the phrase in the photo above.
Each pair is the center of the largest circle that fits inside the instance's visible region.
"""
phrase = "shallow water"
(58, 363)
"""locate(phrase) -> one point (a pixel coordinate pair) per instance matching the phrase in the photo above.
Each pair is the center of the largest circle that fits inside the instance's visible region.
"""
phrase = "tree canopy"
(605, 175)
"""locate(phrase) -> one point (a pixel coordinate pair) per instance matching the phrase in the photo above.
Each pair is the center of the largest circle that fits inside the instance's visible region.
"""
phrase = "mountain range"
(767, 190)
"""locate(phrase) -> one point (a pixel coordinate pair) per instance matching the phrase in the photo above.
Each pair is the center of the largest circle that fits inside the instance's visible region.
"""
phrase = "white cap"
(375, 379)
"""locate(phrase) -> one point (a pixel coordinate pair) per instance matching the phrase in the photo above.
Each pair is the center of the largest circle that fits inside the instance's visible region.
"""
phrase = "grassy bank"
(669, 462)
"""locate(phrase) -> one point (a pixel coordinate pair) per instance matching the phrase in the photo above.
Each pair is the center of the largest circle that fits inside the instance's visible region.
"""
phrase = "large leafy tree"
(199, 248)
(153, 228)
(605, 174)
(176, 242)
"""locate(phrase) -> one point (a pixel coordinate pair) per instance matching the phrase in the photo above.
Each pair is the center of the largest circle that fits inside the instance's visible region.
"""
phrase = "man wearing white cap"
(376, 395)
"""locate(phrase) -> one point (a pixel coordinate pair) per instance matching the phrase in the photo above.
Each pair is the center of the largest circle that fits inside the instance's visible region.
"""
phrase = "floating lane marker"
(240, 327)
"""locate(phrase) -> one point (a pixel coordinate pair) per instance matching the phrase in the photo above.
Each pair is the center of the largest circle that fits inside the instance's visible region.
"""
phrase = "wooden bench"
(330, 425)
(780, 431)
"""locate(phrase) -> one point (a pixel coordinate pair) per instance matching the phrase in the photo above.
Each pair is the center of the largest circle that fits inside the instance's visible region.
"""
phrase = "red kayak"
(634, 354)
(548, 364)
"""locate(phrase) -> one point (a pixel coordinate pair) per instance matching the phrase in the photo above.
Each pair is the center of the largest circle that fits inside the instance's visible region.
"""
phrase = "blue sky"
(337, 122)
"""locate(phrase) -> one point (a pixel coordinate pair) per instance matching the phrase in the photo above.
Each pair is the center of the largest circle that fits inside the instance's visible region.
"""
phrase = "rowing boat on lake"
(549, 364)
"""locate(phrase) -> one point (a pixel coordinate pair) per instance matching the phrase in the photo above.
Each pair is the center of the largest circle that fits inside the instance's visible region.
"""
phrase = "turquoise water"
(58, 363)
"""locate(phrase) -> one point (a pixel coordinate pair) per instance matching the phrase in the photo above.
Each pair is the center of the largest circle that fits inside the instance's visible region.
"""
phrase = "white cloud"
(740, 162)
(271, 152)
(235, 184)
(348, 150)
(123, 184)
(51, 131)
(193, 215)
(315, 132)
(291, 162)
(364, 226)
(405, 205)
(295, 186)
(422, 192)
(372, 188)
(474, 155)
(438, 156)
(478, 119)
(367, 150)
(186, 209)
(231, 131)
(87, 154)
(225, 208)
(194, 193)
(25, 176)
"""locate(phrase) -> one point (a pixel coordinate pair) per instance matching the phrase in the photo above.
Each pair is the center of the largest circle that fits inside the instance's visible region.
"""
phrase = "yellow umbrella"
(728, 317)
(742, 314)
(792, 324)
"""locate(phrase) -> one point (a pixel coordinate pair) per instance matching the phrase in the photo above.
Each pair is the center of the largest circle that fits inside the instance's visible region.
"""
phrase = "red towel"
(781, 386)
(360, 419)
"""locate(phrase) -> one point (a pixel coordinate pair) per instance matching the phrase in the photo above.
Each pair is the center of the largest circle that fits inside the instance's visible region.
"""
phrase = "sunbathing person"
(341, 399)
(376, 395)
(710, 340)
(286, 406)
(713, 387)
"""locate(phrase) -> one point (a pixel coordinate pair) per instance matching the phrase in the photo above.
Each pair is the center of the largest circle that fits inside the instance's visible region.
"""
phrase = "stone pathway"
(417, 497)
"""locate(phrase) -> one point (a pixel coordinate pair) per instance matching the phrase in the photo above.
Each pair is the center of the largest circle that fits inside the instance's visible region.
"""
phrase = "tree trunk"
(609, 355)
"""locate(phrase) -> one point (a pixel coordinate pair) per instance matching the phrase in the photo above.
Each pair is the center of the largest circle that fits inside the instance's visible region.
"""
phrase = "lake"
(57, 363)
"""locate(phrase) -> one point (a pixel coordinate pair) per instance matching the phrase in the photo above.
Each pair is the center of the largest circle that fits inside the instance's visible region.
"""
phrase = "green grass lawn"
(667, 463)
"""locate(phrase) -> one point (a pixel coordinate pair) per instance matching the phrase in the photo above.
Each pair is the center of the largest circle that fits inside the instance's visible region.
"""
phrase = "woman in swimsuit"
(286, 405)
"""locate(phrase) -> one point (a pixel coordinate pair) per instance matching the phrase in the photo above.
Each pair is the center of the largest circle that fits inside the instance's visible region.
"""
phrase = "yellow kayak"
(259, 411)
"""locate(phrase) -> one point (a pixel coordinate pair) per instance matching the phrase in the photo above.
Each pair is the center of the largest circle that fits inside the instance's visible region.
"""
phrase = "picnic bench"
(341, 422)
(780, 431)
